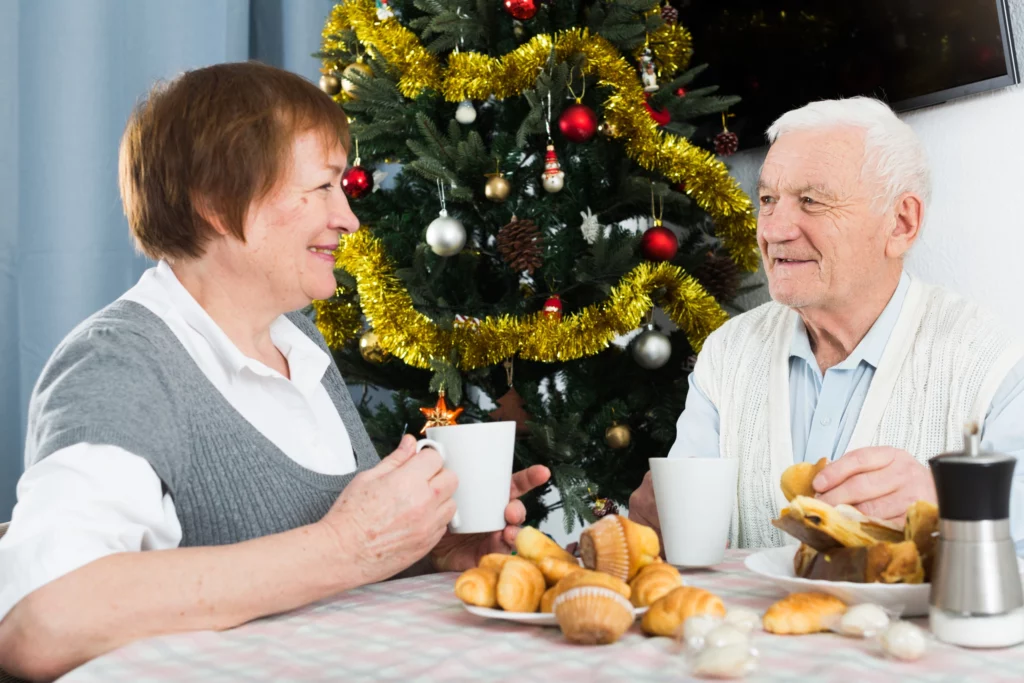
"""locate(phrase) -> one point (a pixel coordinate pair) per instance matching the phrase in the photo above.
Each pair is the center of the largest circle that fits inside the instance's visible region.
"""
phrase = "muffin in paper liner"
(590, 615)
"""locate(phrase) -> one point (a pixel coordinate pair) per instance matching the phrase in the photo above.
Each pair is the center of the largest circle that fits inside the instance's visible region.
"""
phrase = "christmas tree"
(536, 142)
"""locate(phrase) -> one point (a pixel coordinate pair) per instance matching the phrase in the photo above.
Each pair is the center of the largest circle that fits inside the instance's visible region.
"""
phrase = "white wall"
(973, 240)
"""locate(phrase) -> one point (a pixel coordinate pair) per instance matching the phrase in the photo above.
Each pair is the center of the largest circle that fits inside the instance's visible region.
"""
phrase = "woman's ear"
(207, 213)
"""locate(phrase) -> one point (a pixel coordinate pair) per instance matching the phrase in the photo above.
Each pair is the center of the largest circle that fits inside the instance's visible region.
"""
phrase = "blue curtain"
(70, 72)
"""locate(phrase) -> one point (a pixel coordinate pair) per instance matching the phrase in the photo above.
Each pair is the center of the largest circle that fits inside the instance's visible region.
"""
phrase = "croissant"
(547, 600)
(653, 581)
(801, 613)
(619, 547)
(494, 561)
(668, 613)
(520, 586)
(534, 545)
(796, 479)
(555, 569)
(477, 586)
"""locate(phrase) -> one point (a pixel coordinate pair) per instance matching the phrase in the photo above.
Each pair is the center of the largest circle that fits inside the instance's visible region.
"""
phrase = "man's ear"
(908, 214)
(206, 212)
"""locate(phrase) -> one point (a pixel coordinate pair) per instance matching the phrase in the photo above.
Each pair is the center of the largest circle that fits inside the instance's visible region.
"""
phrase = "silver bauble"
(651, 349)
(465, 112)
(445, 235)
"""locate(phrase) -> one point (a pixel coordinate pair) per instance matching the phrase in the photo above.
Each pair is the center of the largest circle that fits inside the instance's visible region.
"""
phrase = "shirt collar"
(307, 362)
(873, 344)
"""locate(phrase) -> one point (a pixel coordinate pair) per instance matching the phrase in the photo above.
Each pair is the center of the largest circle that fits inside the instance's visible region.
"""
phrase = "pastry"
(731, 661)
(696, 628)
(667, 615)
(742, 618)
(802, 613)
(653, 581)
(905, 641)
(555, 569)
(796, 479)
(520, 586)
(863, 621)
(535, 545)
(619, 547)
(923, 529)
(587, 577)
(494, 561)
(591, 615)
(879, 563)
(802, 560)
(822, 527)
(478, 587)
(547, 600)
(725, 634)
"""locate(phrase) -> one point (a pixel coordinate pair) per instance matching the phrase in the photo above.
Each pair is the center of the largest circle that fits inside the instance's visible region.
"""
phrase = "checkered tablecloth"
(416, 630)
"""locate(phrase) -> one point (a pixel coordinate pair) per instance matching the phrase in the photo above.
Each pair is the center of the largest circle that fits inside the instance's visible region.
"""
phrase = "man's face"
(822, 240)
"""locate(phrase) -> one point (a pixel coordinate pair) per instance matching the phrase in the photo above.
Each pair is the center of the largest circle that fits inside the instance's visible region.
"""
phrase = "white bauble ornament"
(446, 235)
(651, 349)
(465, 113)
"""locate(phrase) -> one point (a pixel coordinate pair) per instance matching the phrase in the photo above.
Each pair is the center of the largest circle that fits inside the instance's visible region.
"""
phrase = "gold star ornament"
(439, 415)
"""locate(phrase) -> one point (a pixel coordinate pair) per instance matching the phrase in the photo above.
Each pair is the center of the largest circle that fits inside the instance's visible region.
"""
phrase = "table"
(416, 630)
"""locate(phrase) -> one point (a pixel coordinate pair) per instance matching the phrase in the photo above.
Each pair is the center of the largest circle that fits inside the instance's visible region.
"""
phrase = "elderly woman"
(199, 417)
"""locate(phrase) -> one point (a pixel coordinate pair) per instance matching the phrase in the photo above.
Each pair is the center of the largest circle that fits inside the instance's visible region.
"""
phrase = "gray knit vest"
(122, 378)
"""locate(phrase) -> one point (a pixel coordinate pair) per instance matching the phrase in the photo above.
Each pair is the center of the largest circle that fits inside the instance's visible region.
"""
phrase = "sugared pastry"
(666, 616)
(742, 618)
(824, 527)
(547, 600)
(555, 569)
(478, 586)
(520, 586)
(879, 563)
(796, 479)
(588, 577)
(494, 561)
(653, 581)
(863, 621)
(731, 661)
(923, 529)
(724, 635)
(905, 641)
(535, 545)
(619, 547)
(591, 615)
(800, 613)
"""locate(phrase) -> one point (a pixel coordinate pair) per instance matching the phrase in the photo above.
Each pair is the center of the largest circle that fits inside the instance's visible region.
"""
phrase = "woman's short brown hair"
(210, 143)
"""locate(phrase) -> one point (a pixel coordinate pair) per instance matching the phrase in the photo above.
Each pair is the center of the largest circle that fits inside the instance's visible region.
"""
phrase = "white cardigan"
(941, 367)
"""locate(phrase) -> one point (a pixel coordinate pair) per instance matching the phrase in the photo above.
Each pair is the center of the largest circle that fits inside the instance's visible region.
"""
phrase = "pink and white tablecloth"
(416, 630)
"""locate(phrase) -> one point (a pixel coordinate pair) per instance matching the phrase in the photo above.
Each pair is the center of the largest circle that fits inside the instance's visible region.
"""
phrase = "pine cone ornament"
(520, 244)
(726, 143)
(720, 276)
(603, 507)
(669, 14)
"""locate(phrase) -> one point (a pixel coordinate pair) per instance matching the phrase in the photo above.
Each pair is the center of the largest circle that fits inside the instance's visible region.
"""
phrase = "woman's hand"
(391, 516)
(458, 552)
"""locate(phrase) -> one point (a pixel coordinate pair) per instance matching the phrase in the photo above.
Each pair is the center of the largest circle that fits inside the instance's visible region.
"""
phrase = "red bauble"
(578, 123)
(659, 244)
(680, 91)
(553, 308)
(357, 182)
(523, 10)
(662, 117)
(726, 143)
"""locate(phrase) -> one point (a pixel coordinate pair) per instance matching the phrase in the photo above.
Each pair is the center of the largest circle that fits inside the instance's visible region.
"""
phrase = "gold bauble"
(497, 188)
(350, 88)
(330, 84)
(370, 348)
(618, 436)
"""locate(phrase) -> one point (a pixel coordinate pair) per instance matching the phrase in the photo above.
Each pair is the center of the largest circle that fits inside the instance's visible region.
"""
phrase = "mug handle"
(430, 443)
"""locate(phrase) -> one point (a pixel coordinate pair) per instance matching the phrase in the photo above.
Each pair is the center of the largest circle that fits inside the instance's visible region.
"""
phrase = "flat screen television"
(780, 54)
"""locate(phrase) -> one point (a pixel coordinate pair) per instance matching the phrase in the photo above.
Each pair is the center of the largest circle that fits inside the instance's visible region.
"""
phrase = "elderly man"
(853, 360)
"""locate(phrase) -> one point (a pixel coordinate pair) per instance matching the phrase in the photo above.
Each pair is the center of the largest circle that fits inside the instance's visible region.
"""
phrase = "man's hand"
(881, 482)
(459, 552)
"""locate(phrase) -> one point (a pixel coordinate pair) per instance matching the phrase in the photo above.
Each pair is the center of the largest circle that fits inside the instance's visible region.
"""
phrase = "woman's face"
(290, 234)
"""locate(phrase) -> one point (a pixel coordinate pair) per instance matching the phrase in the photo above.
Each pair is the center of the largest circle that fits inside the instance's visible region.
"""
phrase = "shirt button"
(826, 421)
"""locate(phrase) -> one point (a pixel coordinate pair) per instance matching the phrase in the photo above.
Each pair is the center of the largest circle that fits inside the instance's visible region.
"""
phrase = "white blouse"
(91, 500)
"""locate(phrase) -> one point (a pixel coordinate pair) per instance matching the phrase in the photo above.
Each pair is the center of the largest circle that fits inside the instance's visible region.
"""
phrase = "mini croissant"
(654, 581)
(801, 613)
(478, 587)
(520, 586)
(535, 545)
(668, 614)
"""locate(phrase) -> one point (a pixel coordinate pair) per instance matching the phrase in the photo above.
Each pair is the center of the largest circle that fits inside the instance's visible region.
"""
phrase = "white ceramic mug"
(480, 455)
(695, 499)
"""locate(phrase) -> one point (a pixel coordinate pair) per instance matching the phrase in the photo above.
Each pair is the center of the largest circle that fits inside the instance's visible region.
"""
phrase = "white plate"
(535, 618)
(776, 564)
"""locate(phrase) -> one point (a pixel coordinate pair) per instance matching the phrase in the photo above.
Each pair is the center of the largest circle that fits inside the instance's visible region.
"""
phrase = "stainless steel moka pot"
(976, 597)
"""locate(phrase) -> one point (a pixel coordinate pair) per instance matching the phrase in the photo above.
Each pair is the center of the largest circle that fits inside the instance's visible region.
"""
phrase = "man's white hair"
(891, 148)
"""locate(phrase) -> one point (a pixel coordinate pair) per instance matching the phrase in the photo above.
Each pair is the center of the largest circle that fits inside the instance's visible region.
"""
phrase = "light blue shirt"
(824, 407)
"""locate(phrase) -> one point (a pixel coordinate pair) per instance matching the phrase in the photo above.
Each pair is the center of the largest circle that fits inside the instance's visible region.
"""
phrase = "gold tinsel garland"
(471, 75)
(415, 338)
(339, 318)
